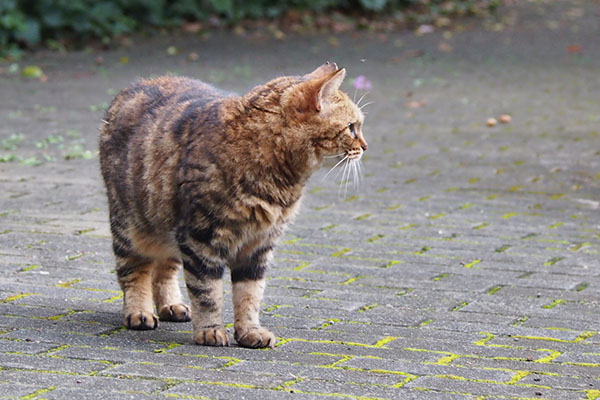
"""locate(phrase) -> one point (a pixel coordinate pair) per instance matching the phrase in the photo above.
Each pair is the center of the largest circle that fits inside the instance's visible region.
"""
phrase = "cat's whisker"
(341, 181)
(348, 178)
(356, 174)
(351, 170)
(361, 98)
(341, 169)
(343, 196)
(366, 104)
(360, 172)
(334, 156)
(331, 170)
(344, 177)
(355, 90)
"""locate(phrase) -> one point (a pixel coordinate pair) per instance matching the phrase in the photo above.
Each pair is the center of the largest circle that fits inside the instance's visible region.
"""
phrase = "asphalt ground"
(465, 266)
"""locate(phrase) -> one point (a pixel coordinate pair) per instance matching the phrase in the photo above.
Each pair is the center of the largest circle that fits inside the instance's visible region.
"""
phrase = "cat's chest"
(265, 216)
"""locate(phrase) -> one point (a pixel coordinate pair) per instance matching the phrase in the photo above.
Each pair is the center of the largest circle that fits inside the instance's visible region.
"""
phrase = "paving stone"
(93, 394)
(474, 388)
(230, 392)
(334, 373)
(12, 390)
(24, 347)
(333, 389)
(46, 363)
(62, 337)
(235, 354)
(121, 356)
(181, 372)
(562, 382)
(529, 366)
(78, 382)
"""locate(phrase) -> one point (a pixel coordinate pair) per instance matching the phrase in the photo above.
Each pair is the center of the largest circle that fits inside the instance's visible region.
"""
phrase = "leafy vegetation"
(25, 23)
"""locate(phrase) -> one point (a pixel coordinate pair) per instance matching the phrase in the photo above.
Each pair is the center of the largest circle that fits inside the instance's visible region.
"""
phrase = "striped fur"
(202, 179)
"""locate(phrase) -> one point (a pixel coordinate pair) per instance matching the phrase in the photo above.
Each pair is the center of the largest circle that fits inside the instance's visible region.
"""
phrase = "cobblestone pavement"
(465, 267)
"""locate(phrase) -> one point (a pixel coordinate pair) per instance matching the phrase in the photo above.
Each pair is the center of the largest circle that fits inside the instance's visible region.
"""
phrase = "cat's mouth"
(354, 154)
(350, 169)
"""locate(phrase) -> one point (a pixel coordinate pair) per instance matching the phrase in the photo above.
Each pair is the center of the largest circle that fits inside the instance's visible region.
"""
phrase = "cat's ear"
(314, 94)
(322, 71)
(330, 86)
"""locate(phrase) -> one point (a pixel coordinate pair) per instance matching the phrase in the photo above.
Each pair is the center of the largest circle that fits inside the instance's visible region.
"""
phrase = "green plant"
(26, 23)
(12, 142)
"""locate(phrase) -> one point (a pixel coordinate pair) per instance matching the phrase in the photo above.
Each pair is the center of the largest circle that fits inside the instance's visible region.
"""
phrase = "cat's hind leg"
(166, 293)
(135, 278)
(134, 273)
(147, 268)
(203, 270)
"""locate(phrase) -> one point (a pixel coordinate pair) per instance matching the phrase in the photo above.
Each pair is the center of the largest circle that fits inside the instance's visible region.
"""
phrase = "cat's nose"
(364, 145)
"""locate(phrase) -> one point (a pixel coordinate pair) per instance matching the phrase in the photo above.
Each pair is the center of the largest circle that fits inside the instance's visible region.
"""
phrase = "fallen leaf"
(441, 22)
(574, 49)
(32, 71)
(415, 104)
(505, 118)
(424, 29)
(239, 30)
(13, 68)
(127, 41)
(342, 26)
(491, 122)
(278, 34)
(444, 47)
(193, 27)
(293, 17)
(413, 53)
(498, 27)
(575, 13)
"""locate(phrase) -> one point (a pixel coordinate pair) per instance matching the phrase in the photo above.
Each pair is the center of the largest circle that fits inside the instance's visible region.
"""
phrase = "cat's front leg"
(204, 280)
(248, 279)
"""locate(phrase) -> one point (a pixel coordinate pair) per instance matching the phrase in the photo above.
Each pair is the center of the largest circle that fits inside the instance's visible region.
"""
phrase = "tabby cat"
(206, 179)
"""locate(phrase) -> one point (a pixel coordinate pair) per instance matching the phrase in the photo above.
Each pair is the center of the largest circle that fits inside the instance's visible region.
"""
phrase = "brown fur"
(206, 179)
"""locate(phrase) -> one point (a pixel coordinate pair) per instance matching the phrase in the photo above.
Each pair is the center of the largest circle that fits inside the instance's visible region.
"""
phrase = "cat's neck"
(273, 157)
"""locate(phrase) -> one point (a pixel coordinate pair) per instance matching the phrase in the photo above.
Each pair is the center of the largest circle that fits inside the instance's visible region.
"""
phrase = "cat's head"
(323, 116)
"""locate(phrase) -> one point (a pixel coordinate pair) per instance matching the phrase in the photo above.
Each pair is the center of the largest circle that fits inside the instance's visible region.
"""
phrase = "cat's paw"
(212, 336)
(255, 337)
(141, 320)
(175, 313)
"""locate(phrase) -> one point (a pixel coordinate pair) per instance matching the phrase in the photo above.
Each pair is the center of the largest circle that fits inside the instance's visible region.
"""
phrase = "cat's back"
(153, 116)
(150, 100)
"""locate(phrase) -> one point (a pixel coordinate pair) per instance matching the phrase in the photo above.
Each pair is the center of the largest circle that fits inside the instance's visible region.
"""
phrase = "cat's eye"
(352, 130)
